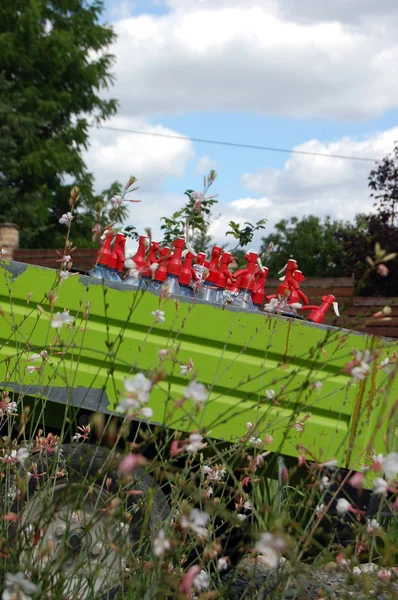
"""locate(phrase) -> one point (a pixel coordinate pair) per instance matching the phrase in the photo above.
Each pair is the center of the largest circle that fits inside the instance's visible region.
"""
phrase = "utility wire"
(238, 145)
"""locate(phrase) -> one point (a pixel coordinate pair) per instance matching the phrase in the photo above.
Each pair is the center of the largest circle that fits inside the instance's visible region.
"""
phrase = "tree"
(359, 241)
(54, 63)
(311, 241)
(383, 181)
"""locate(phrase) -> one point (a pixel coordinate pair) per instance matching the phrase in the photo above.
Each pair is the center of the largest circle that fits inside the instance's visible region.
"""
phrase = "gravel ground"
(251, 580)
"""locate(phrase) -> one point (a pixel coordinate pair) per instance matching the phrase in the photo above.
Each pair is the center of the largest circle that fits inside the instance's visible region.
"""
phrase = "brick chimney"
(9, 236)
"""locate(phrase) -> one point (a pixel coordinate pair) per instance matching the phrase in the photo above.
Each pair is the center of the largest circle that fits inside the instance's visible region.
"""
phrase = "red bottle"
(153, 253)
(121, 252)
(152, 258)
(187, 271)
(258, 294)
(285, 288)
(200, 266)
(224, 274)
(296, 295)
(213, 265)
(318, 313)
(104, 254)
(246, 278)
(140, 257)
(161, 272)
(116, 261)
(175, 263)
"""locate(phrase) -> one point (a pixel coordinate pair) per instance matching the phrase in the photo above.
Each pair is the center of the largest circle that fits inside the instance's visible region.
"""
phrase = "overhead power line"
(238, 145)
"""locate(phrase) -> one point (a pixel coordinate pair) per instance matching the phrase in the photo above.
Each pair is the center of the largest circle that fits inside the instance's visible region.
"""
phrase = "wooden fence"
(83, 259)
(356, 312)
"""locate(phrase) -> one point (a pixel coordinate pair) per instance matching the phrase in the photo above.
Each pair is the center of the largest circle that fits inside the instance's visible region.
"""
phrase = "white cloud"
(204, 165)
(252, 55)
(115, 155)
(344, 11)
(319, 186)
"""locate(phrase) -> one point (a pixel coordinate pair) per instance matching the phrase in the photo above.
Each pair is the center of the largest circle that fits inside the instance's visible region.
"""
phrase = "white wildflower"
(117, 200)
(298, 427)
(195, 443)
(390, 465)
(17, 587)
(196, 521)
(380, 486)
(222, 564)
(378, 460)
(158, 315)
(61, 318)
(209, 492)
(360, 372)
(31, 369)
(249, 425)
(201, 581)
(269, 547)
(161, 544)
(146, 412)
(198, 196)
(372, 524)
(213, 474)
(343, 506)
(11, 409)
(255, 441)
(22, 455)
(66, 219)
(241, 517)
(319, 510)
(128, 406)
(139, 387)
(186, 368)
(325, 483)
(270, 394)
(196, 392)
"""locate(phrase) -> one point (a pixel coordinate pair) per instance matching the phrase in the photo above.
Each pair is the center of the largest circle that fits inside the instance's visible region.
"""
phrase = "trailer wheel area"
(76, 509)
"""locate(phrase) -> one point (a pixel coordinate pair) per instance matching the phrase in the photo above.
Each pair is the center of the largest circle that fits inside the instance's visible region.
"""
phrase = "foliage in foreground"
(121, 506)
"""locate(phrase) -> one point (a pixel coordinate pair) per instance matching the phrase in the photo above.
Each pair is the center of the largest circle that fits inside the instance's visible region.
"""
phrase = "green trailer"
(279, 383)
(284, 375)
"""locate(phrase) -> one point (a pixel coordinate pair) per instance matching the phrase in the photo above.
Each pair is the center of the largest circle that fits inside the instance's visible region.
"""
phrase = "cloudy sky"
(300, 74)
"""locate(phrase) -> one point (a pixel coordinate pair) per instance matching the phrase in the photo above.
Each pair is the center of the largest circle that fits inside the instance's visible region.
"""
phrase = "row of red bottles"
(188, 273)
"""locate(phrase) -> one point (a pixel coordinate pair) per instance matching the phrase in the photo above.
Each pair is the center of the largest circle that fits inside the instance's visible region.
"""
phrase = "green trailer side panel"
(239, 356)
